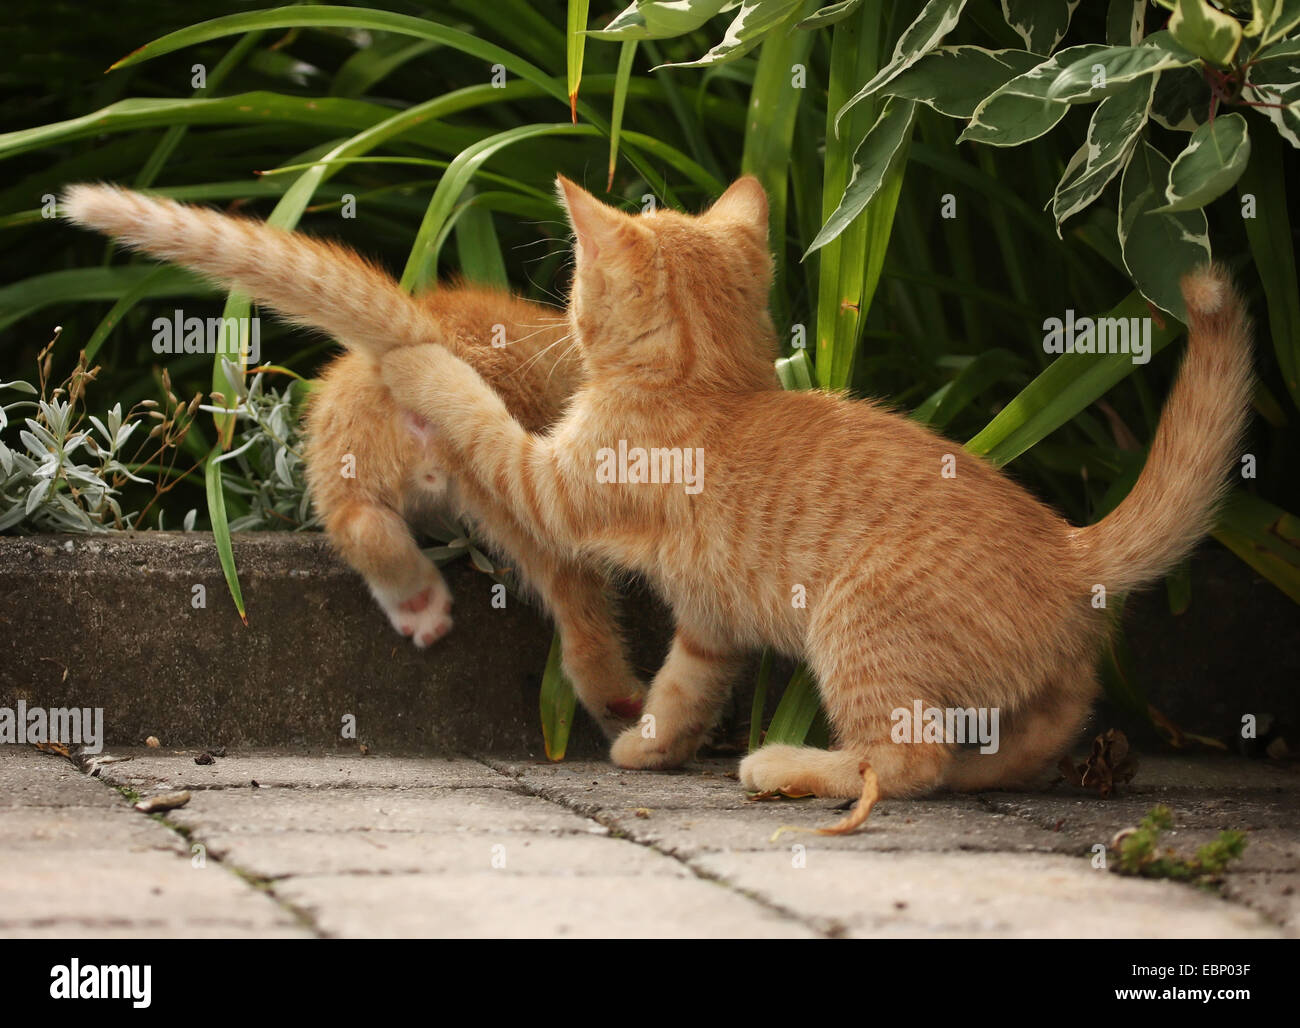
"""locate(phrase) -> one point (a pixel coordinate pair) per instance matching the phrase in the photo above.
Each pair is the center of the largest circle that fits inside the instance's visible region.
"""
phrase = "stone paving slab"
(174, 769)
(699, 817)
(493, 905)
(332, 812)
(76, 860)
(340, 845)
(297, 854)
(34, 779)
(1004, 895)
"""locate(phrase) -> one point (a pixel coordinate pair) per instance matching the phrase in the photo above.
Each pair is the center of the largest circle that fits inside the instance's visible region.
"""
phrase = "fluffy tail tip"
(1206, 290)
(79, 203)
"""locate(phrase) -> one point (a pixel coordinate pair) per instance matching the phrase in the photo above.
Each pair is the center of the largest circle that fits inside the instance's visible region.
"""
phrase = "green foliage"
(558, 703)
(68, 472)
(909, 266)
(1139, 852)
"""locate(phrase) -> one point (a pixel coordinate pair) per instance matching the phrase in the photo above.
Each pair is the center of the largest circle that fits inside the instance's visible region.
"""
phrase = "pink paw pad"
(416, 603)
(438, 631)
(627, 708)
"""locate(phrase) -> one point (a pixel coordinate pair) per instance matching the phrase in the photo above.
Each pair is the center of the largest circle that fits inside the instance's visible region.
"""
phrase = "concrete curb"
(110, 621)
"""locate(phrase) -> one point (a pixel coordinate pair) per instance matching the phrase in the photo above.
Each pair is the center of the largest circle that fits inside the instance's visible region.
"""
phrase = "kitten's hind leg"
(1030, 744)
(408, 586)
(591, 646)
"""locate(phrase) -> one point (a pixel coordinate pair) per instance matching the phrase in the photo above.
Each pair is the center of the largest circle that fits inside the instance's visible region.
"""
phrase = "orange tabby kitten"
(819, 525)
(370, 469)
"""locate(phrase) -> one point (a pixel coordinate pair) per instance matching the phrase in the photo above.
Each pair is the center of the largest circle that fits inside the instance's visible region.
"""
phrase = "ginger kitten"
(373, 470)
(957, 592)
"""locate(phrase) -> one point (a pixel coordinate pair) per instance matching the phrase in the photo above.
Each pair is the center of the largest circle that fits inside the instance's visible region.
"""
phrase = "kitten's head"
(663, 298)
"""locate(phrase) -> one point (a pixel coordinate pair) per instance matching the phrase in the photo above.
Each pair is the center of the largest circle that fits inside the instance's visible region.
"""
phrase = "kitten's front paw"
(424, 617)
(635, 752)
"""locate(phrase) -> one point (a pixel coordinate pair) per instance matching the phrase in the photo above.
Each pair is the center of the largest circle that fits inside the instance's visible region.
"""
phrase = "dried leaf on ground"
(166, 801)
(1109, 764)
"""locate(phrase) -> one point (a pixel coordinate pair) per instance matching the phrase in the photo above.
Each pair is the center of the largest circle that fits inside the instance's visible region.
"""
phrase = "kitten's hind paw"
(423, 617)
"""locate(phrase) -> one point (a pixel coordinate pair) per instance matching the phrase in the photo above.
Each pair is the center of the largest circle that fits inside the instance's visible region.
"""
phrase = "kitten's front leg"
(488, 447)
(684, 700)
(407, 585)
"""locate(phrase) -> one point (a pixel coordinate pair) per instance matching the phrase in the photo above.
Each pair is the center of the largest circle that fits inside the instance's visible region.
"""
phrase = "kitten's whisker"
(561, 359)
(539, 355)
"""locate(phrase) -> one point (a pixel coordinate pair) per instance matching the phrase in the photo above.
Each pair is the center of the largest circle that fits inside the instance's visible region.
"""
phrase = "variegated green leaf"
(660, 19)
(953, 79)
(1206, 31)
(1263, 14)
(1275, 89)
(1112, 69)
(936, 20)
(871, 162)
(754, 20)
(1020, 110)
(1182, 100)
(1125, 20)
(1213, 160)
(1286, 17)
(829, 15)
(1040, 23)
(1160, 248)
(1112, 134)
(1285, 50)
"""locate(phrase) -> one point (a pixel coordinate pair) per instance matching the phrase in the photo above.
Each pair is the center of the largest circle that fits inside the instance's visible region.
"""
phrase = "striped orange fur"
(824, 526)
(374, 472)
(958, 591)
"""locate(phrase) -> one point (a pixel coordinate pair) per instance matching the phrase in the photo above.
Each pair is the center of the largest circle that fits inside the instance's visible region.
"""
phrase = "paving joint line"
(253, 881)
(1221, 891)
(823, 927)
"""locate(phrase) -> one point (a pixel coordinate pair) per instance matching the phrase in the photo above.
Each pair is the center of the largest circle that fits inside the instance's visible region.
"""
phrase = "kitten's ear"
(594, 223)
(745, 202)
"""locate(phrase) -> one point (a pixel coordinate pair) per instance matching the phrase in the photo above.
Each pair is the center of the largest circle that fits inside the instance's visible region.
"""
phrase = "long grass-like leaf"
(797, 711)
(622, 79)
(575, 44)
(558, 705)
(421, 266)
(780, 82)
(221, 530)
(855, 49)
(1066, 387)
(1265, 537)
(479, 250)
(759, 703)
(32, 294)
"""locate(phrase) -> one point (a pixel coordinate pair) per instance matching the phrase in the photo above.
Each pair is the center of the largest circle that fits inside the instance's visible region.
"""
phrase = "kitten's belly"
(728, 608)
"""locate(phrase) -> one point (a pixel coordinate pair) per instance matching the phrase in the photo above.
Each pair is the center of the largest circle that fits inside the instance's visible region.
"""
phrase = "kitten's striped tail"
(1173, 504)
(309, 281)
